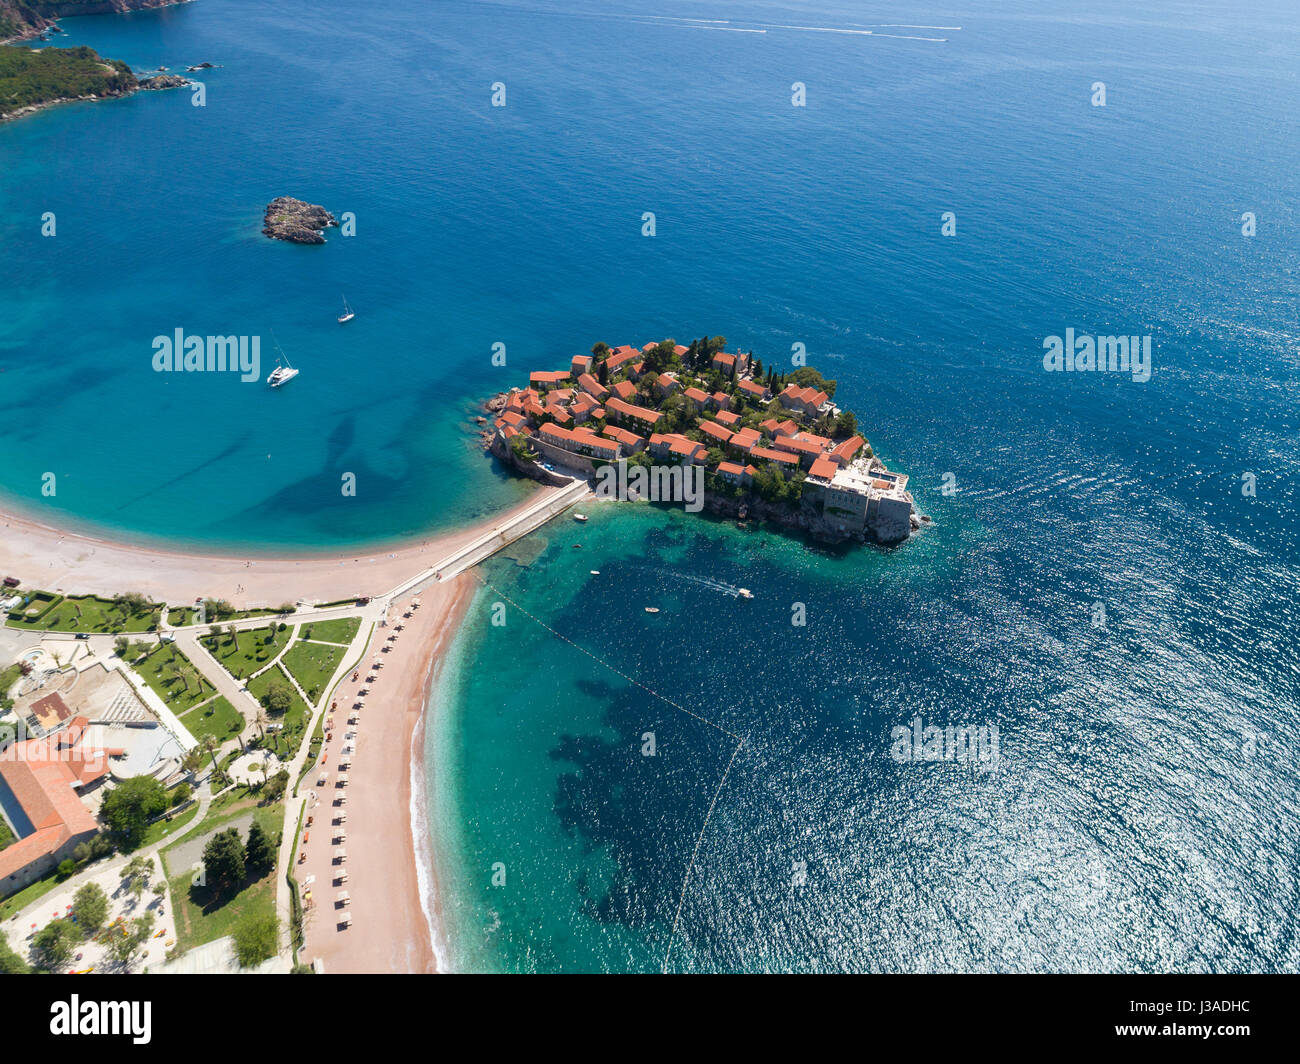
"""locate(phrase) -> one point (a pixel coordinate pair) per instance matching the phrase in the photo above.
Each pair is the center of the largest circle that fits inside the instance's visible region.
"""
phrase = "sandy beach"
(51, 558)
(390, 931)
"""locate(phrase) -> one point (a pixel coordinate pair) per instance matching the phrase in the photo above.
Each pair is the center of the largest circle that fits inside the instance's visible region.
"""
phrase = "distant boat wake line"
(743, 25)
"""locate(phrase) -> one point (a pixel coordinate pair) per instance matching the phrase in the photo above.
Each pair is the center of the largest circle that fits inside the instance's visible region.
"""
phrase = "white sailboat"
(348, 313)
(283, 372)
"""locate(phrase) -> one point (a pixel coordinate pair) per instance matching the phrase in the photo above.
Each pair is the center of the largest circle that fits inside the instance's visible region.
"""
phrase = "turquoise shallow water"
(1143, 815)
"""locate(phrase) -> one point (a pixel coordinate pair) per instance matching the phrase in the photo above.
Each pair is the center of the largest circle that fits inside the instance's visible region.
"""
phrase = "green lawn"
(8, 677)
(174, 678)
(6, 834)
(217, 718)
(250, 649)
(89, 613)
(312, 665)
(199, 916)
(286, 740)
(339, 630)
(162, 828)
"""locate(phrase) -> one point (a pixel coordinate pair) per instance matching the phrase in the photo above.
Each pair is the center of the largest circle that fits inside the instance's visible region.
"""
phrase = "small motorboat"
(744, 592)
(652, 609)
(595, 572)
(580, 517)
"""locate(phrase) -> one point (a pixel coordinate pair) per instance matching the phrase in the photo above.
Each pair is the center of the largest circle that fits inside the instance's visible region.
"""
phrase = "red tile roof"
(637, 413)
(625, 390)
(716, 431)
(589, 384)
(751, 388)
(824, 468)
(845, 451)
(773, 456)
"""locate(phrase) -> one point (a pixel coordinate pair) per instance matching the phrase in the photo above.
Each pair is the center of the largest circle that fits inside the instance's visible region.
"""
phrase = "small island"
(296, 221)
(770, 445)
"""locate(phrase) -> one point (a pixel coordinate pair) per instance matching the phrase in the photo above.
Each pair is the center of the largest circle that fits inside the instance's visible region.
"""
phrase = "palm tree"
(210, 744)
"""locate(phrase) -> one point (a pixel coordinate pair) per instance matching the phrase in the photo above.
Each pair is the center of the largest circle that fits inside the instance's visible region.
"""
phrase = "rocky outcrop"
(164, 81)
(296, 221)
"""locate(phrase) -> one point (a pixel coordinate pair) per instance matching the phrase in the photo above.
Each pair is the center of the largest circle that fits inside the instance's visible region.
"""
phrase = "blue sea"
(1111, 578)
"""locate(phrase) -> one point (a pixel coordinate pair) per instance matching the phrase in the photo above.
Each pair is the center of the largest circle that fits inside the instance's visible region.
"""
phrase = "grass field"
(6, 834)
(312, 665)
(200, 917)
(174, 678)
(286, 740)
(339, 630)
(217, 718)
(88, 613)
(249, 651)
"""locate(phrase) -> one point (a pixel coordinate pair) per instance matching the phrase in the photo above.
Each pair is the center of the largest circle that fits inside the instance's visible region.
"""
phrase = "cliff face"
(24, 19)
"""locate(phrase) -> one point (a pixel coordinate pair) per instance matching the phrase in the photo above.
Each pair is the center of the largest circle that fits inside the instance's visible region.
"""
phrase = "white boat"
(580, 517)
(652, 609)
(348, 313)
(744, 592)
(283, 372)
(281, 375)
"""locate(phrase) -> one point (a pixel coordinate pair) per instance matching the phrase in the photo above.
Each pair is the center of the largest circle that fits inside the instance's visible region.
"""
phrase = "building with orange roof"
(807, 450)
(726, 417)
(629, 441)
(620, 356)
(579, 441)
(806, 400)
(823, 469)
(675, 445)
(698, 397)
(783, 460)
(733, 472)
(619, 411)
(723, 363)
(716, 431)
(625, 390)
(592, 387)
(845, 452)
(581, 364)
(666, 384)
(547, 378)
(745, 439)
(720, 401)
(754, 390)
(40, 784)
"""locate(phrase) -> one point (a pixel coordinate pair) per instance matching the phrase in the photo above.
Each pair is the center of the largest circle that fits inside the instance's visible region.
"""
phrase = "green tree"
(278, 697)
(121, 644)
(259, 851)
(224, 861)
(130, 806)
(10, 962)
(257, 937)
(90, 908)
(52, 945)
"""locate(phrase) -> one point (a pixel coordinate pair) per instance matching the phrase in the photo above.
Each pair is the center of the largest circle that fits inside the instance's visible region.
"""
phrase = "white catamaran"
(283, 372)
(348, 313)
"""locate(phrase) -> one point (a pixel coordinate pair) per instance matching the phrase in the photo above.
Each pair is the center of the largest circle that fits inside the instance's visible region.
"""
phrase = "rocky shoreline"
(296, 221)
(20, 20)
(803, 518)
